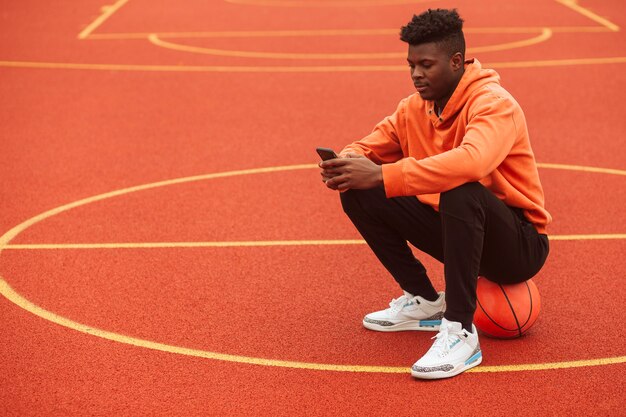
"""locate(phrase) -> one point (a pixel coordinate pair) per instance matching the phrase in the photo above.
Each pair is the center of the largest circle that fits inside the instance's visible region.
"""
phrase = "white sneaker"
(455, 350)
(408, 312)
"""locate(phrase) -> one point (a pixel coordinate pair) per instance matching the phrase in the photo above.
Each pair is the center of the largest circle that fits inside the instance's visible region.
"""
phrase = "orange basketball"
(506, 311)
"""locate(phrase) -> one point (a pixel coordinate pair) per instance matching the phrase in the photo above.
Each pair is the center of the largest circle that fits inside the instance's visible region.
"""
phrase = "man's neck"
(441, 104)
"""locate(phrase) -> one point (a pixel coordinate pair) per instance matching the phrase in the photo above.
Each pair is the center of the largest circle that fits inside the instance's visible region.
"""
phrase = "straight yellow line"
(556, 62)
(251, 243)
(334, 3)
(573, 4)
(203, 68)
(589, 237)
(158, 245)
(292, 69)
(249, 34)
(108, 12)
(331, 32)
(583, 168)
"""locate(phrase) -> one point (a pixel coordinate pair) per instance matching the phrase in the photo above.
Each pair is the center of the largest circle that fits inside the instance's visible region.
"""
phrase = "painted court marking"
(327, 3)
(13, 296)
(546, 33)
(107, 12)
(293, 69)
(158, 40)
(336, 32)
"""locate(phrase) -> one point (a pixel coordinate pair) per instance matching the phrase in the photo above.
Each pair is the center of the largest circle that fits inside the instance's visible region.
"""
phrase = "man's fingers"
(338, 182)
(331, 163)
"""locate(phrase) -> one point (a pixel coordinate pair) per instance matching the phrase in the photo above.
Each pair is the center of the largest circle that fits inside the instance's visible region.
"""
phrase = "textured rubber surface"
(68, 133)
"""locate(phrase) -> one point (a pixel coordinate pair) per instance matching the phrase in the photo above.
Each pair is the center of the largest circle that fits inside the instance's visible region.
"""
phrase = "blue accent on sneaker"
(474, 357)
(430, 322)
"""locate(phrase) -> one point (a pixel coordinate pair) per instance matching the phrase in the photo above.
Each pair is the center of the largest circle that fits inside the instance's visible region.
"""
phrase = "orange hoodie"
(481, 135)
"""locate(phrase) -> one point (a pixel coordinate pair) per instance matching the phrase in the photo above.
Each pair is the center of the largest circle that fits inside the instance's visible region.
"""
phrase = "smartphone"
(326, 153)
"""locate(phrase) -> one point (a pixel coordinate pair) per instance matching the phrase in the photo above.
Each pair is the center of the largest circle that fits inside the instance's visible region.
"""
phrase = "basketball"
(506, 311)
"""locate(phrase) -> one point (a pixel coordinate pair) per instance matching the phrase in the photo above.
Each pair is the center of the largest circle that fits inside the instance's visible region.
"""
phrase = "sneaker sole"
(447, 374)
(386, 326)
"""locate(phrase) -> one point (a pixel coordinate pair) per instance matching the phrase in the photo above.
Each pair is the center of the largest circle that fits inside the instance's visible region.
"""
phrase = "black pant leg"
(387, 224)
(482, 235)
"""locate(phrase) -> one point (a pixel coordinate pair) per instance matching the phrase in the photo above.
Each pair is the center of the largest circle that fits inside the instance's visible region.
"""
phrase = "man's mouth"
(420, 87)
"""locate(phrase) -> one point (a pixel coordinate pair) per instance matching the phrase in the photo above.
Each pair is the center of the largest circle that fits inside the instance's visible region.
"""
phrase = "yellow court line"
(546, 34)
(331, 32)
(153, 38)
(312, 3)
(573, 4)
(582, 168)
(292, 69)
(7, 291)
(250, 243)
(108, 12)
(8, 236)
(160, 245)
(203, 68)
(557, 62)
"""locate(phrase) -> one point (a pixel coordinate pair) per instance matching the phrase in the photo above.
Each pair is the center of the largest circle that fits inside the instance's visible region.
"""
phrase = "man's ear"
(456, 61)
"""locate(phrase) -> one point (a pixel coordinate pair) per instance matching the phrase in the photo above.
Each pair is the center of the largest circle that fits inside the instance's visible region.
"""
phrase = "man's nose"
(416, 73)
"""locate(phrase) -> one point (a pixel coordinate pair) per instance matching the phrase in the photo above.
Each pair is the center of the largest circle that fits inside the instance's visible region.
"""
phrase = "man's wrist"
(380, 181)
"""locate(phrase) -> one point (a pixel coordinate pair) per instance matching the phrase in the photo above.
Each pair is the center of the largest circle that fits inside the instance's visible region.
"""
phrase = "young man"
(453, 173)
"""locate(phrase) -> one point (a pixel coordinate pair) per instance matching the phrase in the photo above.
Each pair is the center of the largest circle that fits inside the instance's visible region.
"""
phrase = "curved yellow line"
(8, 236)
(546, 33)
(14, 297)
(312, 3)
(153, 38)
(292, 69)
(10, 294)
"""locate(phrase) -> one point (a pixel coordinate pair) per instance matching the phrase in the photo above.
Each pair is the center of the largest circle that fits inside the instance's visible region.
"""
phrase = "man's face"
(434, 74)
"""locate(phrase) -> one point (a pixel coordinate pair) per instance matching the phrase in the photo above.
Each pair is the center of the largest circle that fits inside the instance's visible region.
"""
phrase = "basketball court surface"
(167, 246)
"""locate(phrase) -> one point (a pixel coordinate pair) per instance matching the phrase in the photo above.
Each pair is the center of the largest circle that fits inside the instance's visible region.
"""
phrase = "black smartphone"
(326, 153)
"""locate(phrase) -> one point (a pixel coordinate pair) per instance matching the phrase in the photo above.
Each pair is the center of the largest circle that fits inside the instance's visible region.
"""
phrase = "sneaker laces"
(444, 339)
(398, 303)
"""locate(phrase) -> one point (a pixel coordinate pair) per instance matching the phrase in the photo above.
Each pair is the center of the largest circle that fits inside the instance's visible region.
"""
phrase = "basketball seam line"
(491, 319)
(519, 329)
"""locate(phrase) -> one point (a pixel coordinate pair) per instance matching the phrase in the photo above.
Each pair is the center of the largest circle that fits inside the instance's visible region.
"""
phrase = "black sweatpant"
(474, 233)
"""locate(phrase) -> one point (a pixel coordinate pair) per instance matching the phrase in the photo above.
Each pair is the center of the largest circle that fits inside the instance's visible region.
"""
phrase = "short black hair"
(442, 26)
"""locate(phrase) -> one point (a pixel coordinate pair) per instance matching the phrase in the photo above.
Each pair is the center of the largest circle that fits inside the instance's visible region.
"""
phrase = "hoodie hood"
(474, 79)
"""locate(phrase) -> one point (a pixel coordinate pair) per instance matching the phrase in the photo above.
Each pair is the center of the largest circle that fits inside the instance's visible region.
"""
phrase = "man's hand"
(353, 171)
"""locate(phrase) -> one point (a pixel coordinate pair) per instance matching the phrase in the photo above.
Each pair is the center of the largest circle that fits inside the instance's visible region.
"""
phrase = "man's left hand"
(351, 173)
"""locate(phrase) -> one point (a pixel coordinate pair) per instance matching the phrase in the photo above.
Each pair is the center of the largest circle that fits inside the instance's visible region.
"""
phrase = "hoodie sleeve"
(382, 146)
(490, 134)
